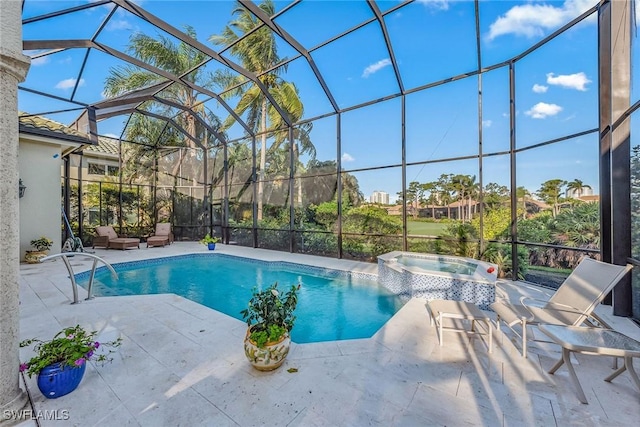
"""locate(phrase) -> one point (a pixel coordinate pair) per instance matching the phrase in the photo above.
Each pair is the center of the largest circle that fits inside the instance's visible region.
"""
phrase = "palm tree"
(177, 59)
(445, 191)
(258, 53)
(577, 187)
(521, 194)
(431, 188)
(414, 195)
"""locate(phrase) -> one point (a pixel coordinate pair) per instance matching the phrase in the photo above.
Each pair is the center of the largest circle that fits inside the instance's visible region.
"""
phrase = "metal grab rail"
(65, 257)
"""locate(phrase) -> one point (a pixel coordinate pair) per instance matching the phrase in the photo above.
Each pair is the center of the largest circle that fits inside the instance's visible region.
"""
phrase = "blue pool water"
(438, 264)
(332, 305)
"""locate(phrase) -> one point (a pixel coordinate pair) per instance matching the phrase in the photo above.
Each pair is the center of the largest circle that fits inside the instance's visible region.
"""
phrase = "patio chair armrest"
(547, 305)
(533, 302)
(100, 241)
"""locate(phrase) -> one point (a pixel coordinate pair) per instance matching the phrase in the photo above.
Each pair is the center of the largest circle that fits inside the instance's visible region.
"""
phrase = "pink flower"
(23, 367)
(89, 354)
(70, 337)
(79, 362)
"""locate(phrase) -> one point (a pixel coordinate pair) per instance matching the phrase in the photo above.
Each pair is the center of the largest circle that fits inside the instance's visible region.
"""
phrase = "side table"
(595, 341)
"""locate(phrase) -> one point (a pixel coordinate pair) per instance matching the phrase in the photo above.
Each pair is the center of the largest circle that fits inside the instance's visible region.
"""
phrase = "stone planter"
(271, 356)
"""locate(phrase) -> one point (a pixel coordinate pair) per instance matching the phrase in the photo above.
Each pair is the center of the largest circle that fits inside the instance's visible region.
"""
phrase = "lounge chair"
(107, 238)
(162, 236)
(572, 304)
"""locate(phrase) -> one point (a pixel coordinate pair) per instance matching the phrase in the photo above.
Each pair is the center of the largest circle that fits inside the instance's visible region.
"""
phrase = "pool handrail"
(65, 257)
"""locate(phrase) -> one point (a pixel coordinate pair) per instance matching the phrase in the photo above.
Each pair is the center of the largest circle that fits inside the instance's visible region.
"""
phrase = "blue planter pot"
(212, 246)
(56, 380)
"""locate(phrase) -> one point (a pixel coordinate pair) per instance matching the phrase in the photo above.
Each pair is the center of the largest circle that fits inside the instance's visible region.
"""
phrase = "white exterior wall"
(40, 208)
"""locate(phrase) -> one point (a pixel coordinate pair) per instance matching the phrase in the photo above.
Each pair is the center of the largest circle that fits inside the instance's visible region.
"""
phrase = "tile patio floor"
(183, 364)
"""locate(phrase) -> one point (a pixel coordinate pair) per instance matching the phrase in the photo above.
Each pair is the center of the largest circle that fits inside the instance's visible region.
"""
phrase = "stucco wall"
(40, 213)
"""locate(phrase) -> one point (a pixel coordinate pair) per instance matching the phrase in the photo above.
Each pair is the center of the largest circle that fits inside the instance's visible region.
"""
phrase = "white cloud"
(539, 88)
(532, 20)
(119, 24)
(436, 4)
(576, 81)
(68, 84)
(543, 110)
(346, 157)
(374, 68)
(487, 123)
(40, 61)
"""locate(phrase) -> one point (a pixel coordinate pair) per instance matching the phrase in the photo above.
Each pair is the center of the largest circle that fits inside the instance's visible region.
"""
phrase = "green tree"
(578, 227)
(635, 201)
(258, 53)
(495, 196)
(432, 199)
(414, 193)
(446, 191)
(522, 194)
(177, 59)
(550, 193)
(495, 223)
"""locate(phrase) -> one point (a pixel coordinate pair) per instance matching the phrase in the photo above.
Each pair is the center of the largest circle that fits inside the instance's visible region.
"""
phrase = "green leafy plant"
(209, 239)
(72, 347)
(270, 315)
(42, 244)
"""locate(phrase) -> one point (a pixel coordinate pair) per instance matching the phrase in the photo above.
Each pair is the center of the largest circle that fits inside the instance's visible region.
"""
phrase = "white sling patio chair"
(572, 304)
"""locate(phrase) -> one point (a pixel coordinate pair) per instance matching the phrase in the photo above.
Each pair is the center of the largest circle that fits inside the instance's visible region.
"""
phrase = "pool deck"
(183, 364)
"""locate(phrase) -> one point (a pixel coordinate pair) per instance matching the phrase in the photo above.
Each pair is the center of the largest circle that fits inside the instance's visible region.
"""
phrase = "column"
(13, 69)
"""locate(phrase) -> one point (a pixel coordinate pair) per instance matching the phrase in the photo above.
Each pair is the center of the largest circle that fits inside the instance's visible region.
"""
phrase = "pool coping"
(327, 271)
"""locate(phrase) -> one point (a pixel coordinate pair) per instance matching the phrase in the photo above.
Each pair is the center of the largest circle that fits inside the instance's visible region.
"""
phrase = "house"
(43, 143)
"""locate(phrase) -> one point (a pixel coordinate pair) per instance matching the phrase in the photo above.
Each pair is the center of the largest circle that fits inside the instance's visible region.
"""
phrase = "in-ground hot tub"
(428, 276)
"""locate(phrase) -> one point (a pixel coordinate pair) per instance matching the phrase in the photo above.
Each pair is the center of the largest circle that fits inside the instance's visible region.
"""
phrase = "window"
(96, 169)
(113, 170)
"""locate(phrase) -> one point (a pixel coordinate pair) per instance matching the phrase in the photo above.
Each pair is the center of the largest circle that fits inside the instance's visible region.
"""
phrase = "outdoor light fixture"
(21, 188)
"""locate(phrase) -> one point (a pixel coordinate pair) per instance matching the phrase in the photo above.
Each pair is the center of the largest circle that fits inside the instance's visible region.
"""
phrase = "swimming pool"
(332, 304)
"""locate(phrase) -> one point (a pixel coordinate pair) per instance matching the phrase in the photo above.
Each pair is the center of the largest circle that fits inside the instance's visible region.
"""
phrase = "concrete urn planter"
(269, 357)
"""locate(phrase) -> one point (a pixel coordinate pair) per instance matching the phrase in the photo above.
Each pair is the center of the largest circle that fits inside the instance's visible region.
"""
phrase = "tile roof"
(41, 126)
(105, 145)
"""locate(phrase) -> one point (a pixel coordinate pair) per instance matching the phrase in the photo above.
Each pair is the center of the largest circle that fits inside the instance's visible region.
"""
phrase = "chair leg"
(566, 355)
(524, 338)
(628, 366)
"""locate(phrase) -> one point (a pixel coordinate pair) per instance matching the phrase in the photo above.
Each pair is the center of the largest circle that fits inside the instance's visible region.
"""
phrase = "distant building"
(575, 194)
(380, 197)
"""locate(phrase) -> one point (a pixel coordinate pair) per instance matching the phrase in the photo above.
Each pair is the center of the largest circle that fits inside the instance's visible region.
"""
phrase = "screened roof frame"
(124, 104)
(126, 101)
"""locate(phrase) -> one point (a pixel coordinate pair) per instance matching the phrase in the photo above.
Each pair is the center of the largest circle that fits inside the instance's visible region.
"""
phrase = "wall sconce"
(21, 188)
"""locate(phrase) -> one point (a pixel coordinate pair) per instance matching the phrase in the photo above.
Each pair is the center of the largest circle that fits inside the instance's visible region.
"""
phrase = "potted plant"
(42, 245)
(210, 241)
(269, 318)
(60, 363)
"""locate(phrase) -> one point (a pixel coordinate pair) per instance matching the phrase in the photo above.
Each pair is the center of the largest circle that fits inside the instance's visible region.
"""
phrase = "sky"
(556, 85)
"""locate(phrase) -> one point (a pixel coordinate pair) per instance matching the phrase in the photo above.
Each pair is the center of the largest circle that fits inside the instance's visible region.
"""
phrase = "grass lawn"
(425, 228)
